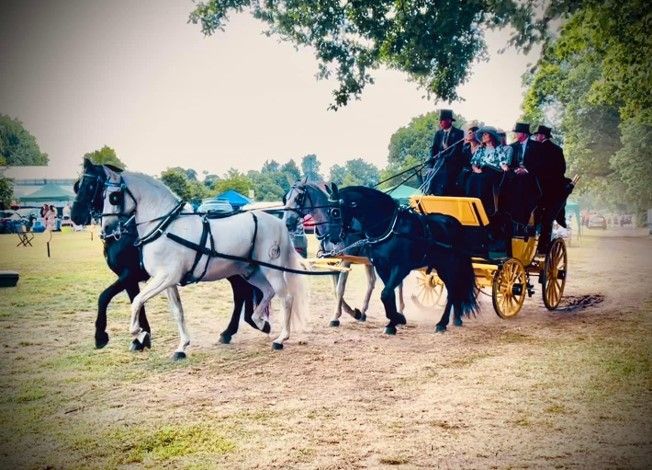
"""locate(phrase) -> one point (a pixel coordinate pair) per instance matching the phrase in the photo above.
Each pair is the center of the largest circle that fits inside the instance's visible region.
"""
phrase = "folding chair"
(25, 237)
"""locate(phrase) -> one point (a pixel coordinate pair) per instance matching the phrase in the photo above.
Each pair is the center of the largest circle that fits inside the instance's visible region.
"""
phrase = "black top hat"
(523, 127)
(545, 131)
(446, 114)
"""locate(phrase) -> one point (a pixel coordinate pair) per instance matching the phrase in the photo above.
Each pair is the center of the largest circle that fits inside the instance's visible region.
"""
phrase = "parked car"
(597, 221)
(12, 222)
(215, 205)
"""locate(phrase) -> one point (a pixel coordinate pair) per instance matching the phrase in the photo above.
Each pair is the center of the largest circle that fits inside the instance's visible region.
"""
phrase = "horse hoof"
(390, 330)
(147, 341)
(225, 339)
(101, 339)
(178, 355)
(357, 314)
(458, 322)
(363, 317)
(334, 323)
(277, 346)
(440, 329)
(136, 346)
(266, 327)
(400, 319)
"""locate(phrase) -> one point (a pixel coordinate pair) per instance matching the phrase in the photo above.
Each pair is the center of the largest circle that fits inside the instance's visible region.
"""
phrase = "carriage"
(507, 270)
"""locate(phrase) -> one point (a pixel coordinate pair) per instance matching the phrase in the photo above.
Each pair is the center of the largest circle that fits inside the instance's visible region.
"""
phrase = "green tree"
(396, 168)
(234, 180)
(105, 156)
(177, 180)
(310, 168)
(291, 171)
(593, 83)
(17, 145)
(433, 41)
(355, 172)
(6, 192)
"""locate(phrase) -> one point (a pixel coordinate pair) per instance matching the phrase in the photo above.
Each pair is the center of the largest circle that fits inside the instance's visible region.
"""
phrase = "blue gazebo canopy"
(235, 198)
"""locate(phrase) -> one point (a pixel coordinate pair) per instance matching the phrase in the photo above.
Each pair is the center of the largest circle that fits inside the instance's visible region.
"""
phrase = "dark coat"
(551, 169)
(446, 161)
(532, 158)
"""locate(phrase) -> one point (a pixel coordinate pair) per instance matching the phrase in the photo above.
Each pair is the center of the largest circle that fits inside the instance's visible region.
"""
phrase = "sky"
(136, 76)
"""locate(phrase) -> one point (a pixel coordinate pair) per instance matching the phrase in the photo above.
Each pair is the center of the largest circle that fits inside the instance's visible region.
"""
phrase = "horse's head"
(89, 189)
(362, 210)
(311, 198)
(118, 201)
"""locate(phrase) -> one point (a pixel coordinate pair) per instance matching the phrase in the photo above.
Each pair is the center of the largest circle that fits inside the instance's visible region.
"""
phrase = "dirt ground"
(570, 388)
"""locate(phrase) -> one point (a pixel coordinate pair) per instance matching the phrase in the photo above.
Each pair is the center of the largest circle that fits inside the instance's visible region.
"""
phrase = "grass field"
(544, 390)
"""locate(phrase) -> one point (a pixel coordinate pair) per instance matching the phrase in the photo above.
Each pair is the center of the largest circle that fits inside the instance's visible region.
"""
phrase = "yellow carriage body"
(506, 274)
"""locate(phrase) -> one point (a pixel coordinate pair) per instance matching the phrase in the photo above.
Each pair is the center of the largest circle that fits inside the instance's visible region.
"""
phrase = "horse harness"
(117, 198)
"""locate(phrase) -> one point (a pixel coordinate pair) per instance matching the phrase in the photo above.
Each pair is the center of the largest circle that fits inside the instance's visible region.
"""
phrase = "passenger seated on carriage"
(471, 145)
(489, 165)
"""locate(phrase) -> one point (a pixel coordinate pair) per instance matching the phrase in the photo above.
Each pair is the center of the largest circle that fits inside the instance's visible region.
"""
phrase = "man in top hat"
(525, 149)
(523, 192)
(553, 185)
(445, 156)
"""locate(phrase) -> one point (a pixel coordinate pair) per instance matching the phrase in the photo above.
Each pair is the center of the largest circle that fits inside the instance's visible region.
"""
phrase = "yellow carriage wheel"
(429, 290)
(554, 274)
(509, 288)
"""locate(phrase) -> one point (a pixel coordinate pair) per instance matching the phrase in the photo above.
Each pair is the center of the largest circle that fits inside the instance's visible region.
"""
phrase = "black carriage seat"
(485, 237)
(469, 211)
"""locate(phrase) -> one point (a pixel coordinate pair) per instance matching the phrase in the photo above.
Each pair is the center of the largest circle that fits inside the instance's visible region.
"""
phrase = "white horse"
(248, 244)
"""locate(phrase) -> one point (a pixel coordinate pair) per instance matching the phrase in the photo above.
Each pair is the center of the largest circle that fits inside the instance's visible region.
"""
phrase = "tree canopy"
(105, 156)
(310, 167)
(17, 145)
(434, 42)
(356, 172)
(188, 189)
(593, 83)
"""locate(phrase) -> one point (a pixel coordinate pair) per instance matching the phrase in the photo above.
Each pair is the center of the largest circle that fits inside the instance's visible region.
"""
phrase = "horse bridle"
(303, 196)
(116, 198)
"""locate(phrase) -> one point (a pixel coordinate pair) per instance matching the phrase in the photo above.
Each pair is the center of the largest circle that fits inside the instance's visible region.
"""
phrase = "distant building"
(29, 180)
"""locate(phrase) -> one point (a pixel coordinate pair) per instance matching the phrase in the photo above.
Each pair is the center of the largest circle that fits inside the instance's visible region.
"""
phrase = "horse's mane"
(158, 184)
(370, 193)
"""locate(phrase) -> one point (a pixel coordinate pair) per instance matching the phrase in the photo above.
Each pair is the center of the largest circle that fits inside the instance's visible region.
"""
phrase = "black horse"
(399, 240)
(123, 258)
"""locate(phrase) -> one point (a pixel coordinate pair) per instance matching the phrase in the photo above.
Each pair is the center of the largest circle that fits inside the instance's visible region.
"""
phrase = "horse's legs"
(340, 286)
(443, 323)
(259, 280)
(391, 277)
(250, 304)
(371, 283)
(131, 285)
(238, 302)
(277, 281)
(174, 301)
(101, 336)
(152, 287)
(401, 301)
(457, 314)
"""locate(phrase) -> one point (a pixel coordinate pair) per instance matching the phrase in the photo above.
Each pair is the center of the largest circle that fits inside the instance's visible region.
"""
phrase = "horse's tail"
(465, 293)
(465, 290)
(460, 282)
(297, 287)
